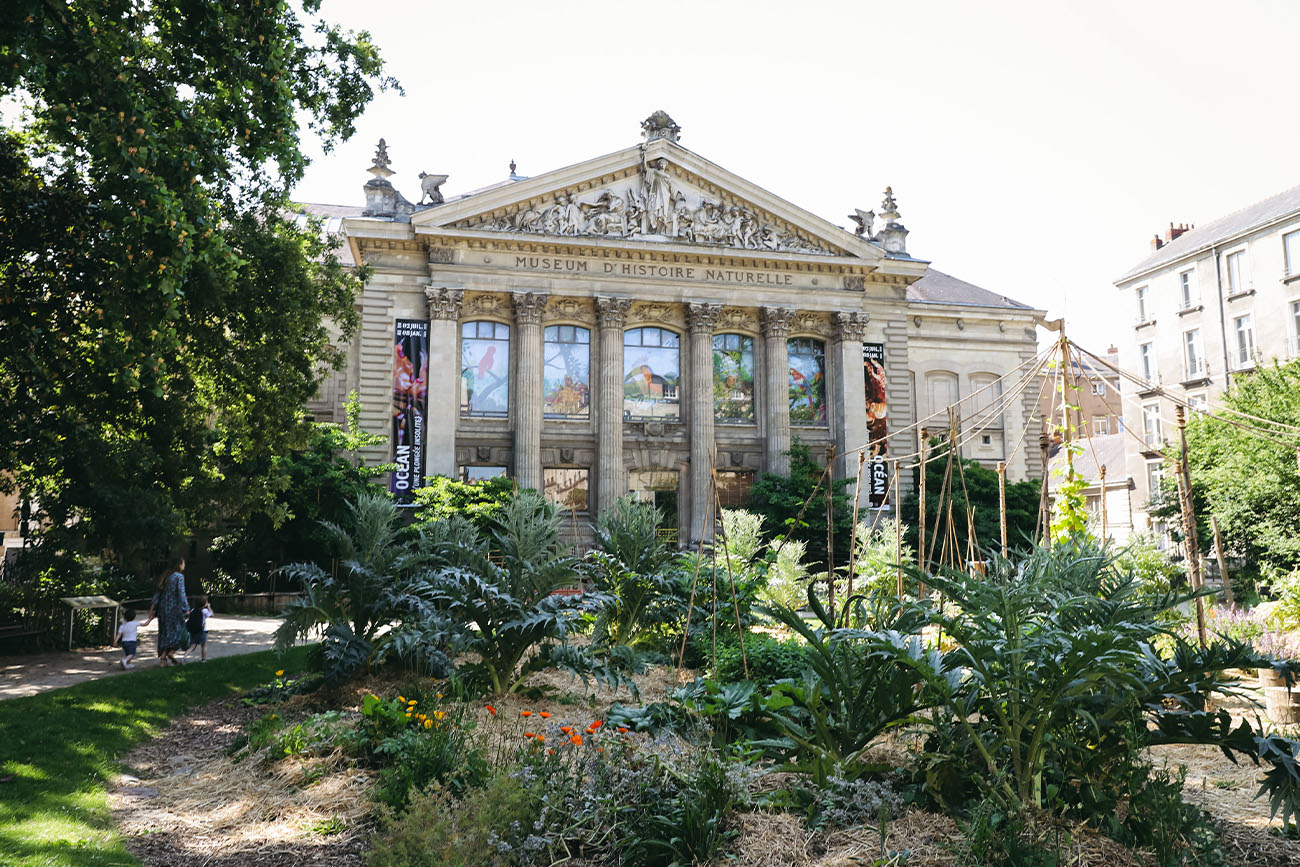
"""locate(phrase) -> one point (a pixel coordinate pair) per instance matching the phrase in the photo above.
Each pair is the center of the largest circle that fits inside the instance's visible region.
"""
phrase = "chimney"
(1175, 231)
(1156, 243)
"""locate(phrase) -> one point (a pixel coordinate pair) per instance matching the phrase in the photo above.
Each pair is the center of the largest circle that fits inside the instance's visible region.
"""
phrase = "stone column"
(444, 384)
(528, 389)
(776, 387)
(699, 388)
(611, 314)
(849, 396)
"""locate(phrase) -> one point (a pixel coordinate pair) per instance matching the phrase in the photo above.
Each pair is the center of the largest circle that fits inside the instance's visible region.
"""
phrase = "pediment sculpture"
(655, 209)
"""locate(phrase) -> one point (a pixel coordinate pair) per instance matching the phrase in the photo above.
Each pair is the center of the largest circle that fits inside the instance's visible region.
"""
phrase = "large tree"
(1248, 482)
(161, 322)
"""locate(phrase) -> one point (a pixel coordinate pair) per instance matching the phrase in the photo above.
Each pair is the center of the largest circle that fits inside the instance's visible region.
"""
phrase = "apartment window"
(1186, 290)
(1245, 328)
(1149, 361)
(1142, 303)
(1291, 251)
(1098, 387)
(1199, 402)
(1155, 476)
(1236, 272)
(1100, 427)
(1151, 424)
(1195, 365)
(1295, 327)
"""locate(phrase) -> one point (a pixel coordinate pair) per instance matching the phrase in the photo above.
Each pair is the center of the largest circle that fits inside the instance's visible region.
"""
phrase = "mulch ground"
(187, 802)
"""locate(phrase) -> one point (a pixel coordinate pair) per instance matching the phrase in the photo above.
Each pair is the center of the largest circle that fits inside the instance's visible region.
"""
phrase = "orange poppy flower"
(525, 713)
(529, 734)
(550, 752)
(544, 715)
(565, 729)
(597, 724)
(576, 740)
(541, 738)
(490, 709)
(622, 730)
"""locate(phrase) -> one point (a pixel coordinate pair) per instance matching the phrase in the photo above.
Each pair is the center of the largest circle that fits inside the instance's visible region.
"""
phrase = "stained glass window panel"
(733, 379)
(652, 374)
(807, 381)
(566, 376)
(484, 369)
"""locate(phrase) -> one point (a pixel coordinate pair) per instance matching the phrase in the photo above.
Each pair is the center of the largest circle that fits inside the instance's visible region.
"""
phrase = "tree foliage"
(162, 321)
(971, 485)
(794, 506)
(1250, 484)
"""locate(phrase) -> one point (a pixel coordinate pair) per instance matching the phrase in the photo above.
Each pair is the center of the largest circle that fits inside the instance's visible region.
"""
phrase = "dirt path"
(228, 635)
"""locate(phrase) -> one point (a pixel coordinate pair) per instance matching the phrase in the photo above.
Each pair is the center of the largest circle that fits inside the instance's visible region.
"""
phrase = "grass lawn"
(62, 747)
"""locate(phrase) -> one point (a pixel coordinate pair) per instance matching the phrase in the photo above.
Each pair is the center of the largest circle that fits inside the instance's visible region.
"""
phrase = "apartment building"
(1208, 305)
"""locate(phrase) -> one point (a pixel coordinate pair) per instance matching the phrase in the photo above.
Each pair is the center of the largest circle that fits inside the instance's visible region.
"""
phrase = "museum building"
(645, 319)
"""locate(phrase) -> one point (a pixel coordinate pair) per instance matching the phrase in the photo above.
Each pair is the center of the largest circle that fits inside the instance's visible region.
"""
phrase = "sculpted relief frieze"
(654, 311)
(570, 309)
(654, 206)
(480, 304)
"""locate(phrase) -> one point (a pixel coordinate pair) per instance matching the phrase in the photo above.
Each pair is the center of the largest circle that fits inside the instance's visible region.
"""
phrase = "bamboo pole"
(853, 536)
(898, 529)
(1189, 519)
(1223, 565)
(920, 518)
(1002, 504)
(1104, 529)
(695, 580)
(1044, 504)
(720, 527)
(830, 532)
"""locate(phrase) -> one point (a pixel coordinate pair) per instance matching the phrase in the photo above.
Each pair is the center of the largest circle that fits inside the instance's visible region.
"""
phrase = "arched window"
(484, 369)
(733, 378)
(566, 377)
(652, 373)
(942, 391)
(807, 381)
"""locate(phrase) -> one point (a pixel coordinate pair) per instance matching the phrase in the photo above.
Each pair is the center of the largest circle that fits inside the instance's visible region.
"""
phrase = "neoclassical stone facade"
(639, 321)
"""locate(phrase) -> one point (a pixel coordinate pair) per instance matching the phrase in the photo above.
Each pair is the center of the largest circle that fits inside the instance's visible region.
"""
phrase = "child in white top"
(128, 634)
(197, 624)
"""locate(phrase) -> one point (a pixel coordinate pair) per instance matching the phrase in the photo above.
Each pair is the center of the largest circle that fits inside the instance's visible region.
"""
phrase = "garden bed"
(190, 802)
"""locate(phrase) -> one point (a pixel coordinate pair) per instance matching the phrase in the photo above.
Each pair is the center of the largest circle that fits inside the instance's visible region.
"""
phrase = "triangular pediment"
(659, 193)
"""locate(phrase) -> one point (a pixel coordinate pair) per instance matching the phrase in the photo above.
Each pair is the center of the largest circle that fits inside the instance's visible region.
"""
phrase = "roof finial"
(889, 207)
(659, 125)
(512, 168)
(381, 155)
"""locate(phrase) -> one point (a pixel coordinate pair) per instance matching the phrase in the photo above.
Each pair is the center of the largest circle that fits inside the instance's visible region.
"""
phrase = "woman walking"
(171, 607)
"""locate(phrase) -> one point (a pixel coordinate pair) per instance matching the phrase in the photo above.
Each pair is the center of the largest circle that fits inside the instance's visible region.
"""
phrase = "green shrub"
(438, 829)
(769, 659)
(480, 501)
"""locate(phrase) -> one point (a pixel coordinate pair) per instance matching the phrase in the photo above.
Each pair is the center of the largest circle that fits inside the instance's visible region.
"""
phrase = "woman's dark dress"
(170, 606)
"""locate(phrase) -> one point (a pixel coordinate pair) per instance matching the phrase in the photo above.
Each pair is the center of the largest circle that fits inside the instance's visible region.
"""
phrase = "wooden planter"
(1282, 705)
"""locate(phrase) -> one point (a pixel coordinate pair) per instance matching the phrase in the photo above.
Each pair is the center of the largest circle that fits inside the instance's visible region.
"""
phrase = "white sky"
(1034, 147)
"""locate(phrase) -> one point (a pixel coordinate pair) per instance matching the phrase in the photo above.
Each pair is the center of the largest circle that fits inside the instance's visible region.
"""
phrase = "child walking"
(129, 634)
(197, 624)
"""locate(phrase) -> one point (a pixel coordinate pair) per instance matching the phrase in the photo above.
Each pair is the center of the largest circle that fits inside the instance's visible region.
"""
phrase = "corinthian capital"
(851, 326)
(529, 307)
(444, 303)
(702, 317)
(777, 321)
(612, 312)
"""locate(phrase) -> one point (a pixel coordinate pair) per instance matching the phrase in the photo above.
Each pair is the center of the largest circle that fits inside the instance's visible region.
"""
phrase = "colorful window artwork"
(807, 381)
(652, 373)
(567, 374)
(733, 378)
(485, 369)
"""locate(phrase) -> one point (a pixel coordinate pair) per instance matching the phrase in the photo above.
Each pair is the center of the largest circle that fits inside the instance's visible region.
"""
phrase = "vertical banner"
(410, 406)
(873, 370)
